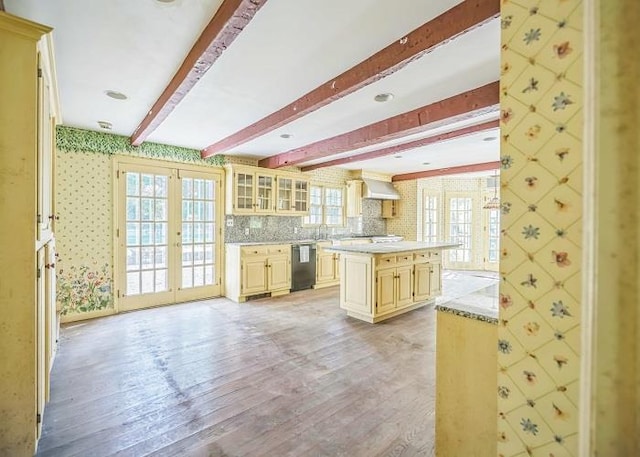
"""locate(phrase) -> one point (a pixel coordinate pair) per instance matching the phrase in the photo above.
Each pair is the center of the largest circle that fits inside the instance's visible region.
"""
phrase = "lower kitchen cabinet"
(327, 266)
(394, 288)
(256, 270)
(379, 286)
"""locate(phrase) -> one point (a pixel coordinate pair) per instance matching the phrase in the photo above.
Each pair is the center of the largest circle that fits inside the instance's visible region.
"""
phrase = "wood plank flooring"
(289, 376)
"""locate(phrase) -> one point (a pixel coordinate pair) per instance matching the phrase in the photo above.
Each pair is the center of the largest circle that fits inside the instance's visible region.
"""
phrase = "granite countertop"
(391, 248)
(479, 305)
(262, 243)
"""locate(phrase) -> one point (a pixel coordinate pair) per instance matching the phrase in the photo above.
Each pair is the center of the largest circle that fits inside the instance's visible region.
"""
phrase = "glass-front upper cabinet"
(252, 190)
(265, 190)
(285, 194)
(301, 203)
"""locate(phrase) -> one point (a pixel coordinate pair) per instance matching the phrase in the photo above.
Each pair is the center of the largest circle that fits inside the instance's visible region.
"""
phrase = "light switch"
(229, 222)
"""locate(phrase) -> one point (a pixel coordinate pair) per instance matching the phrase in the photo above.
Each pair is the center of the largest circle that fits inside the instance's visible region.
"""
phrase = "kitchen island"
(382, 280)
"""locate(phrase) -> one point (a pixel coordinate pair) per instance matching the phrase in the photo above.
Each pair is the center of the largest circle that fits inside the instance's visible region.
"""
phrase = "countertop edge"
(468, 314)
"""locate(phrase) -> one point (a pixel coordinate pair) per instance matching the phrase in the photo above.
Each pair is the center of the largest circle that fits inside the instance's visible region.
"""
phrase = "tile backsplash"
(283, 228)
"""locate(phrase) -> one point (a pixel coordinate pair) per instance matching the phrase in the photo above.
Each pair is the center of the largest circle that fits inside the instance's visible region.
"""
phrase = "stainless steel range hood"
(380, 190)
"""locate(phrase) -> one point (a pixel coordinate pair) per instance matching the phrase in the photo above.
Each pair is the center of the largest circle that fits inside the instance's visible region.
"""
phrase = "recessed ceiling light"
(165, 1)
(490, 138)
(398, 156)
(383, 97)
(286, 135)
(106, 125)
(426, 163)
(115, 94)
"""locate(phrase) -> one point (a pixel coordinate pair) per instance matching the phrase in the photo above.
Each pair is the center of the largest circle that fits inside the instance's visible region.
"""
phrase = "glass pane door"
(264, 193)
(199, 243)
(284, 194)
(168, 235)
(145, 246)
(302, 196)
(492, 254)
(244, 192)
(460, 230)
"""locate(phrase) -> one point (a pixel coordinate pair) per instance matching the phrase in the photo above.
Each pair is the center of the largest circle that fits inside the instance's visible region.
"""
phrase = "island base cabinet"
(355, 285)
(376, 287)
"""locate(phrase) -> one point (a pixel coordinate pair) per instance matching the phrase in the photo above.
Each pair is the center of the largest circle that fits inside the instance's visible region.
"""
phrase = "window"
(494, 235)
(333, 207)
(326, 206)
(430, 223)
(315, 207)
(460, 212)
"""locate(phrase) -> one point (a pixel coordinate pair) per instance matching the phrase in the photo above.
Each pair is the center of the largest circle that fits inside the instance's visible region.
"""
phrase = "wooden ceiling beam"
(390, 150)
(448, 171)
(464, 106)
(227, 23)
(1, 5)
(460, 19)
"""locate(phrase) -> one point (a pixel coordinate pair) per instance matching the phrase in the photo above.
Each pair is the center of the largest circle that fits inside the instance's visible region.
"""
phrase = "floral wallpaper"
(541, 179)
(84, 232)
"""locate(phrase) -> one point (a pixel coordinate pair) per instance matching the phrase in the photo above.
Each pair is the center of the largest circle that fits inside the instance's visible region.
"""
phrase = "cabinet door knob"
(54, 217)
(50, 265)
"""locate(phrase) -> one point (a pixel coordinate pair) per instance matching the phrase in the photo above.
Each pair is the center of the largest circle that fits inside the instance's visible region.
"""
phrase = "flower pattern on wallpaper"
(84, 232)
(541, 134)
(82, 289)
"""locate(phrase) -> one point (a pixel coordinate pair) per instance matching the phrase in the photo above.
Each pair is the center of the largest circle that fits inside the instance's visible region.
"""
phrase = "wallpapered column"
(540, 291)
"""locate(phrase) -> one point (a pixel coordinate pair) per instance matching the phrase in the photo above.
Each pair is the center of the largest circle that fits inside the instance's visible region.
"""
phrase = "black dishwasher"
(303, 266)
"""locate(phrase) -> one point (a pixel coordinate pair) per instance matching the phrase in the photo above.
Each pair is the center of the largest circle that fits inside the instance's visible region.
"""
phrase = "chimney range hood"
(381, 190)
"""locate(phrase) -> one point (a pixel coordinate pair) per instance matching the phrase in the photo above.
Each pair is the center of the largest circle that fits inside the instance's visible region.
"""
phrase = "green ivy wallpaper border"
(72, 139)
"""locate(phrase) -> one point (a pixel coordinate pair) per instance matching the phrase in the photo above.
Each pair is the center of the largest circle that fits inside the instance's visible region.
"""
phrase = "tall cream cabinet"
(28, 321)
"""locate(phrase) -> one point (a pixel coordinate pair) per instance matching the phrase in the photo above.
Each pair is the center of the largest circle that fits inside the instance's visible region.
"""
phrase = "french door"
(168, 234)
(460, 224)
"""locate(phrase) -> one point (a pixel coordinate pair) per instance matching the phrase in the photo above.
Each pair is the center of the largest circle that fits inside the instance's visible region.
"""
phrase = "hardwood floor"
(290, 376)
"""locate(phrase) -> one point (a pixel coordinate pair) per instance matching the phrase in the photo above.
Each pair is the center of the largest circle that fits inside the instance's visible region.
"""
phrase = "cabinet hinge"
(117, 174)
(118, 293)
(117, 233)
(39, 218)
(38, 418)
(39, 72)
(38, 273)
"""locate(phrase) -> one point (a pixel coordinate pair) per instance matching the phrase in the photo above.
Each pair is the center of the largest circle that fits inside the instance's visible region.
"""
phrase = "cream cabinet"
(255, 190)
(394, 288)
(256, 270)
(374, 287)
(292, 195)
(327, 266)
(250, 191)
(28, 115)
(354, 198)
(390, 208)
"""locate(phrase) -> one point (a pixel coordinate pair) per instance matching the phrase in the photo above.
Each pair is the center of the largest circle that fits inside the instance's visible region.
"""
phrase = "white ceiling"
(288, 49)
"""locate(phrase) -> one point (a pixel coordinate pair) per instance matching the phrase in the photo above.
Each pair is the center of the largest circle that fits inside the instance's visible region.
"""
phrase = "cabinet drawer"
(434, 256)
(279, 249)
(253, 250)
(404, 258)
(386, 260)
(421, 256)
